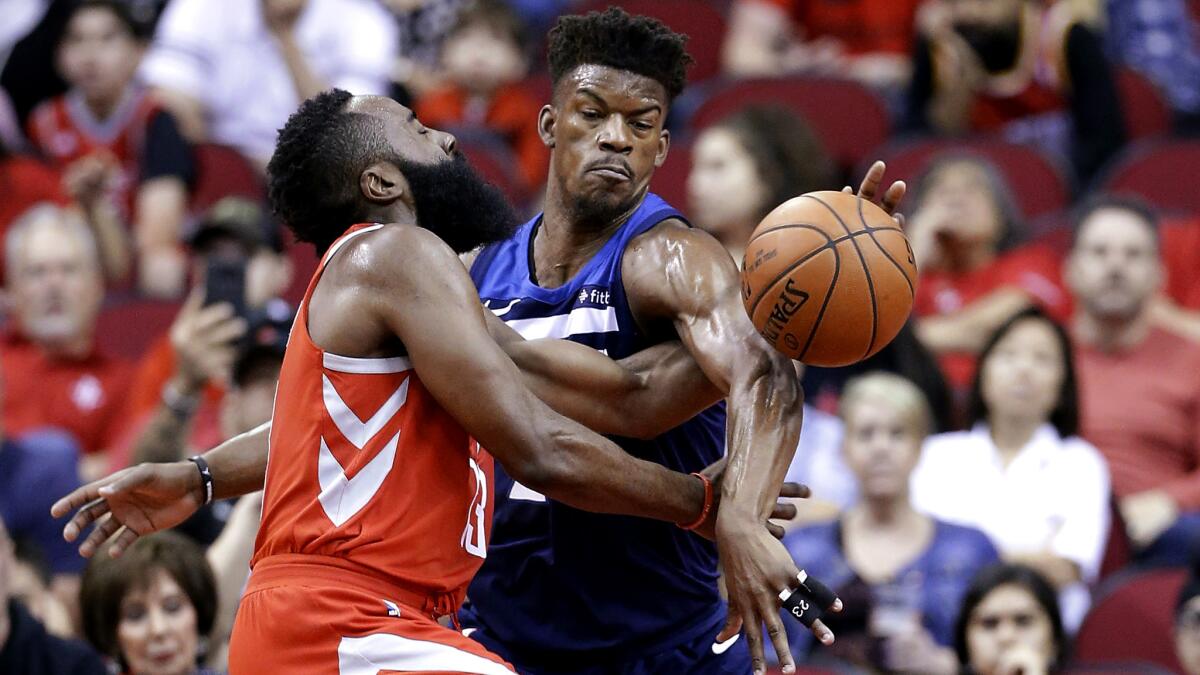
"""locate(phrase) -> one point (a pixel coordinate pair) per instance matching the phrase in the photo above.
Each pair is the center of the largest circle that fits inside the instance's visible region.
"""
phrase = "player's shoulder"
(673, 238)
(393, 253)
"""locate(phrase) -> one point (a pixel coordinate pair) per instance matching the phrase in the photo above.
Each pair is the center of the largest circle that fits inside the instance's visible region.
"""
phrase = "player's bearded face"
(458, 205)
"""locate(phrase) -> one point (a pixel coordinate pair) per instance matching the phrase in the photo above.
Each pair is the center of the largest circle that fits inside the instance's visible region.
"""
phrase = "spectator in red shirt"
(484, 61)
(120, 151)
(963, 231)
(54, 376)
(25, 181)
(1139, 383)
(868, 40)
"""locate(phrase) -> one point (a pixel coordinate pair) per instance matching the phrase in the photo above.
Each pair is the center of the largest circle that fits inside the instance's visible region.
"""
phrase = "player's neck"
(1110, 335)
(396, 212)
(564, 242)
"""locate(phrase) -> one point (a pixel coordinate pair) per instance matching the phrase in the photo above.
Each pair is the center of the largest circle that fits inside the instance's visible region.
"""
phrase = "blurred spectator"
(54, 374)
(232, 71)
(35, 469)
(484, 61)
(869, 40)
(1140, 393)
(1158, 38)
(1010, 623)
(1021, 474)
(177, 391)
(25, 646)
(24, 182)
(1187, 626)
(422, 26)
(1028, 70)
(151, 610)
(963, 229)
(29, 35)
(30, 583)
(748, 164)
(115, 144)
(901, 574)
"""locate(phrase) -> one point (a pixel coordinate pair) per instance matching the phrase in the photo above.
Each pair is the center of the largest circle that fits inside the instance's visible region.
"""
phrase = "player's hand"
(757, 568)
(782, 510)
(130, 503)
(889, 199)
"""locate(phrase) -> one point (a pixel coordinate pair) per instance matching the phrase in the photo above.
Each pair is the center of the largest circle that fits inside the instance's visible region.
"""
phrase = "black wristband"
(206, 478)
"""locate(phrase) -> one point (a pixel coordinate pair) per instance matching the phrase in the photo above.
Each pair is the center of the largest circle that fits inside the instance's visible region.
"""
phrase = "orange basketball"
(828, 278)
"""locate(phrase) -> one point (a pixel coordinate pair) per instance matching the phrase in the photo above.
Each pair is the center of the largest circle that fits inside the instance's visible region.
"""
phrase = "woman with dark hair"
(152, 609)
(1021, 473)
(1010, 623)
(964, 230)
(749, 163)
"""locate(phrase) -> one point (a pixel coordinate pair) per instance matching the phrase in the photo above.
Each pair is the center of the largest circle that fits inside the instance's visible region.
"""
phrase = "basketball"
(828, 278)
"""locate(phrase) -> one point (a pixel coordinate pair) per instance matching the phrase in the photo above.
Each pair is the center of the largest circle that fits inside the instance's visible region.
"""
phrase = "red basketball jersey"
(367, 470)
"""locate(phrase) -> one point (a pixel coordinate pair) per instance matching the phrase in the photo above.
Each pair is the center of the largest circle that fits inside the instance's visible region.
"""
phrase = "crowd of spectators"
(969, 482)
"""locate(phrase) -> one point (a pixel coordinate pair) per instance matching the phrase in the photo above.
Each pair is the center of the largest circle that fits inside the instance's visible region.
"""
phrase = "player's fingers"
(870, 182)
(123, 541)
(795, 491)
(78, 497)
(84, 517)
(848, 190)
(778, 637)
(822, 632)
(775, 530)
(105, 528)
(733, 624)
(754, 642)
(784, 511)
(891, 198)
(900, 219)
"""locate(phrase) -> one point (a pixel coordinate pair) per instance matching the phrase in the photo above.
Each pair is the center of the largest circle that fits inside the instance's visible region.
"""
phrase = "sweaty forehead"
(614, 85)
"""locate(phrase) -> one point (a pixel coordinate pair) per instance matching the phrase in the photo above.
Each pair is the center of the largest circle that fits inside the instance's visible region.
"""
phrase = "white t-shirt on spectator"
(220, 52)
(818, 462)
(1054, 496)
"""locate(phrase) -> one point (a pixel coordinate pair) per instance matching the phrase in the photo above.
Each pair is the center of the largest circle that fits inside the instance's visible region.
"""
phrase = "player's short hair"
(617, 39)
(1137, 206)
(107, 581)
(312, 178)
(1008, 574)
(137, 29)
(1065, 415)
(900, 391)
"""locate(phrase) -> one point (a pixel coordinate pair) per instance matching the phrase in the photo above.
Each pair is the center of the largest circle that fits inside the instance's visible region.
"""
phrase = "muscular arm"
(448, 342)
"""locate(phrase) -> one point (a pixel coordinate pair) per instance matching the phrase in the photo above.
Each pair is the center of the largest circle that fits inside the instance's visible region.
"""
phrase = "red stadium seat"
(1118, 551)
(1161, 172)
(700, 21)
(1146, 112)
(670, 179)
(1039, 184)
(494, 161)
(850, 119)
(222, 171)
(126, 329)
(1131, 619)
(1116, 668)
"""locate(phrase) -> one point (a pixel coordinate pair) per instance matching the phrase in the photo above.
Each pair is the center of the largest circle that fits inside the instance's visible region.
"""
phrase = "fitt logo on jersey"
(593, 296)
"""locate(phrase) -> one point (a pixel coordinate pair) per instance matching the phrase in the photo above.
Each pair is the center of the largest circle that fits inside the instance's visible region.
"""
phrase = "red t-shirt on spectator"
(862, 26)
(512, 114)
(23, 183)
(1180, 252)
(1141, 408)
(1034, 269)
(84, 396)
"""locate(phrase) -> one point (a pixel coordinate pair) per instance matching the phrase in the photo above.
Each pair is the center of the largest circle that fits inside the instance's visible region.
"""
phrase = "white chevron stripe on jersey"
(342, 497)
(357, 431)
(365, 366)
(383, 651)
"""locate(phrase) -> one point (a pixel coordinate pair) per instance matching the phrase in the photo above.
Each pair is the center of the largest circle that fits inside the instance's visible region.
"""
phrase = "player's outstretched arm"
(640, 396)
(151, 497)
(439, 321)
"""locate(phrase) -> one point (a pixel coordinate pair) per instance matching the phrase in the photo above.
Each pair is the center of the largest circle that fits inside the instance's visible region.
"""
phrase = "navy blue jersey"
(558, 580)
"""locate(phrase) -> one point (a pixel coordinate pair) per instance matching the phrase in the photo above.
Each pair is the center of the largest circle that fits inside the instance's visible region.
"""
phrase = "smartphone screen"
(225, 281)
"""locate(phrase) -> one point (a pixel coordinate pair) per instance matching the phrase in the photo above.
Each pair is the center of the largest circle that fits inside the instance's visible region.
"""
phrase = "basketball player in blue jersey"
(614, 267)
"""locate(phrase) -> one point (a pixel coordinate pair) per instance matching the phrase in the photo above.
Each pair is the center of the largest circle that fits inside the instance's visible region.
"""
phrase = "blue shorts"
(701, 656)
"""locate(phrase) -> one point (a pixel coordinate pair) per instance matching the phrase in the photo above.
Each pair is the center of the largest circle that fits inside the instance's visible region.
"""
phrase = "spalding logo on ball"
(828, 278)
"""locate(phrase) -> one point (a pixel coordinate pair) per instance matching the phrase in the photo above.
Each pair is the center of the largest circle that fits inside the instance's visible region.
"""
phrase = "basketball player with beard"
(392, 399)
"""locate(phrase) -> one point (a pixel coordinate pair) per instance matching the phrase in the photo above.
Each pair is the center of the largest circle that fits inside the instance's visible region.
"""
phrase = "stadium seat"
(1146, 112)
(1160, 171)
(494, 160)
(700, 21)
(222, 171)
(127, 328)
(1116, 668)
(1131, 619)
(670, 179)
(850, 119)
(1039, 184)
(1118, 551)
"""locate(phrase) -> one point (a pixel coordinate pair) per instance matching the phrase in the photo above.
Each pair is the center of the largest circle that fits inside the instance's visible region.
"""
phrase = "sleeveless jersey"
(366, 470)
(64, 130)
(559, 580)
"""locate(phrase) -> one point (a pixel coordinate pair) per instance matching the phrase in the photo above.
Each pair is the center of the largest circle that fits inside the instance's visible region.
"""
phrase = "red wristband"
(708, 502)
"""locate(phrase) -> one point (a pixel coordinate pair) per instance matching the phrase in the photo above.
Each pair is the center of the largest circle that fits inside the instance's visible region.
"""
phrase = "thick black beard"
(454, 202)
(997, 47)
